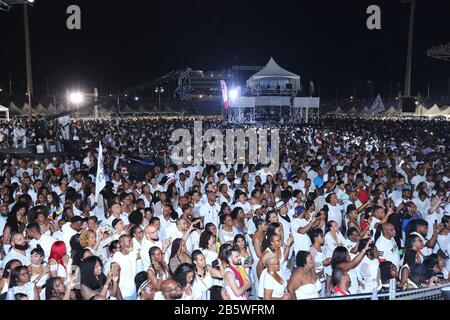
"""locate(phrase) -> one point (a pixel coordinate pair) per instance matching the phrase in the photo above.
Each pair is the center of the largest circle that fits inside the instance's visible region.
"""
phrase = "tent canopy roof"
(274, 71)
(3, 109)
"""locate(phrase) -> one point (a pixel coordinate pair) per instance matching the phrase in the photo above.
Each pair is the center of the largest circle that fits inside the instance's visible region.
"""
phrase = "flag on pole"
(100, 181)
(311, 88)
(223, 85)
(377, 107)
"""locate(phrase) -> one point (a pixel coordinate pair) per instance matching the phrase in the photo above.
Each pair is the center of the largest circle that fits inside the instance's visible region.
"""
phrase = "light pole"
(410, 46)
(159, 90)
(28, 58)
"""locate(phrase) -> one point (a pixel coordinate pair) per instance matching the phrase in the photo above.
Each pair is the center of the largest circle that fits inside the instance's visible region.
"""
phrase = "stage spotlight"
(76, 98)
(234, 94)
(136, 98)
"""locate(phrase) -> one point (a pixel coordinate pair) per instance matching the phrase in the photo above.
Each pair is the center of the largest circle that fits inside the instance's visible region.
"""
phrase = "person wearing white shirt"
(244, 204)
(151, 239)
(126, 258)
(116, 213)
(387, 246)
(369, 271)
(334, 209)
(70, 229)
(300, 226)
(45, 241)
(19, 247)
(209, 212)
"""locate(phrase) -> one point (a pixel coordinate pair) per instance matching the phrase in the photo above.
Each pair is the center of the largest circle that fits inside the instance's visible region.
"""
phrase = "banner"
(223, 85)
(377, 107)
(100, 181)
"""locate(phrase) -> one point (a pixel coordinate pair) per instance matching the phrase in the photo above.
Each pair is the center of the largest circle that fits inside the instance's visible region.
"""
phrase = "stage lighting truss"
(441, 52)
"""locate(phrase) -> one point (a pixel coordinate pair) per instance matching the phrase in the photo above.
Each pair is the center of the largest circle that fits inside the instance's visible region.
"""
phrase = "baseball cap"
(279, 205)
(299, 210)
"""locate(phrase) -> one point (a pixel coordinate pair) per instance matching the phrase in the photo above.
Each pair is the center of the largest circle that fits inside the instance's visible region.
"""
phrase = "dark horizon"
(323, 41)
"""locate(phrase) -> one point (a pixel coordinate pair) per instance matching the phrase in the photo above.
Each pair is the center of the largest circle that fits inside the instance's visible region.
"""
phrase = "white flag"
(377, 107)
(100, 181)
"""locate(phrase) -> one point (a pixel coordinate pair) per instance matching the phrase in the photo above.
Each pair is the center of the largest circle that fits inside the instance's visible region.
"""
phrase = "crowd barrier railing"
(431, 293)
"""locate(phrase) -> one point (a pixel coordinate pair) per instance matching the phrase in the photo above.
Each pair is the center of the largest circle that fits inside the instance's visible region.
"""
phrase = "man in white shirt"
(19, 246)
(300, 226)
(387, 246)
(126, 258)
(45, 241)
(70, 229)
(116, 213)
(209, 212)
(150, 240)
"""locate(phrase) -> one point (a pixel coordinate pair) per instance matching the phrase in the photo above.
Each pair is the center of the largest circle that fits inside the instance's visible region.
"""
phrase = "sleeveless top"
(309, 291)
(228, 287)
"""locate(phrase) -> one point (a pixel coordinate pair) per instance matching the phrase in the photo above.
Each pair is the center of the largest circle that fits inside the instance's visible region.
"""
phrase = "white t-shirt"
(388, 250)
(368, 272)
(145, 247)
(15, 255)
(302, 242)
(45, 242)
(68, 233)
(127, 272)
(210, 214)
(111, 218)
(335, 214)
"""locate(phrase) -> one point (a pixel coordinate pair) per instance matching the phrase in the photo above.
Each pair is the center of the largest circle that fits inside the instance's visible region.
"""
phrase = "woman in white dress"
(207, 244)
(333, 239)
(227, 232)
(304, 282)
(20, 283)
(273, 286)
(203, 279)
(38, 269)
(320, 262)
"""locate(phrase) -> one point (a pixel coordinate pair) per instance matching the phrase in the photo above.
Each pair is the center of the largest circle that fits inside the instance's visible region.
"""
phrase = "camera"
(215, 263)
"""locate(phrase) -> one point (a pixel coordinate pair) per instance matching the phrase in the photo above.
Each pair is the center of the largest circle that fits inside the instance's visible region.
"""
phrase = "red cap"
(58, 172)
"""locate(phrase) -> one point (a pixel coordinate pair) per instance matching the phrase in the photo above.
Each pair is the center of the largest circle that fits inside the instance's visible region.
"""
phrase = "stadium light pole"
(407, 92)
(159, 90)
(28, 57)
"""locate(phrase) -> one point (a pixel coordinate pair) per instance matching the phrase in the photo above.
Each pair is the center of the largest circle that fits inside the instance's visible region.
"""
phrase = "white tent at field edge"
(352, 110)
(6, 111)
(433, 111)
(365, 110)
(421, 110)
(273, 72)
(14, 110)
(392, 111)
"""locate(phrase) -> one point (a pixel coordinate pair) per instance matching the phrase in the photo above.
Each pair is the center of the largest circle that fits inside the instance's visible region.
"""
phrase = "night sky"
(125, 43)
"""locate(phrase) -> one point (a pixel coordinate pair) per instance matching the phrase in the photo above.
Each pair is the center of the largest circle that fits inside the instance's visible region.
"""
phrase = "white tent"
(446, 111)
(338, 111)
(273, 72)
(365, 110)
(14, 110)
(434, 111)
(421, 110)
(352, 110)
(39, 109)
(6, 111)
(391, 112)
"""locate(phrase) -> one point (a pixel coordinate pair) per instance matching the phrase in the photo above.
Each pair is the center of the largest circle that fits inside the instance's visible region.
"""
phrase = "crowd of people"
(354, 208)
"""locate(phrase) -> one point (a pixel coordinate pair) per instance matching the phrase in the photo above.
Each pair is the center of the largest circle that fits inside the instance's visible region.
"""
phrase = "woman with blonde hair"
(88, 240)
